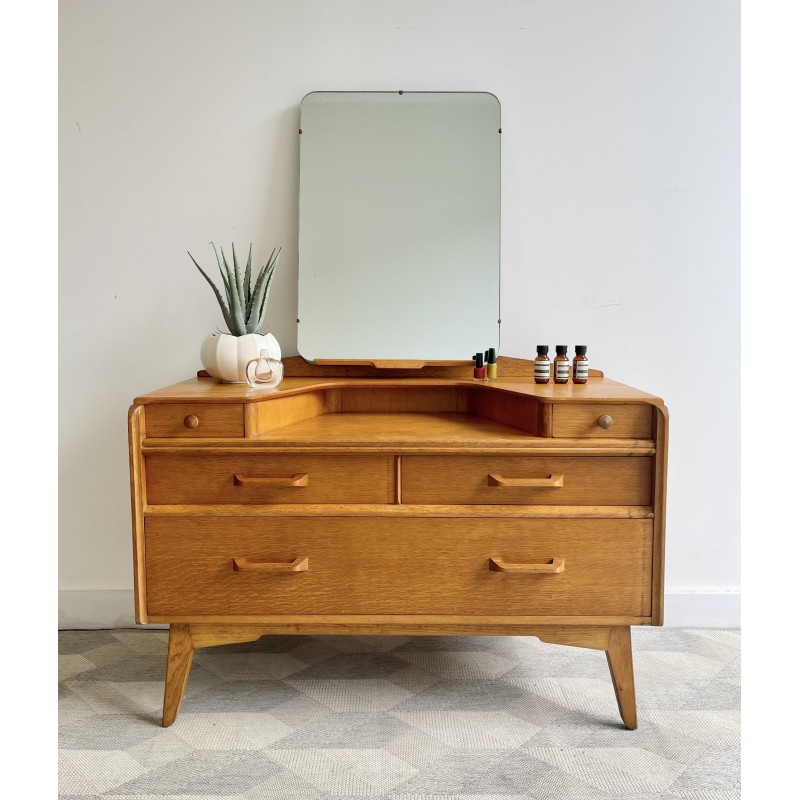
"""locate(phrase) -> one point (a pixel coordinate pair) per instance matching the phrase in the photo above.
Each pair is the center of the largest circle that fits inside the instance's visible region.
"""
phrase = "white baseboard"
(81, 609)
(113, 608)
(703, 608)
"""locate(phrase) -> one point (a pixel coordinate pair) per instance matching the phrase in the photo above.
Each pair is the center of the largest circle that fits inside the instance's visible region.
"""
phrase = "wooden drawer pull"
(300, 564)
(553, 482)
(300, 479)
(551, 567)
(191, 421)
(605, 421)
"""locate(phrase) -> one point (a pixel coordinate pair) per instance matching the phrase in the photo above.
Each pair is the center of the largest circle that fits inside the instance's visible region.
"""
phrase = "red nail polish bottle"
(479, 373)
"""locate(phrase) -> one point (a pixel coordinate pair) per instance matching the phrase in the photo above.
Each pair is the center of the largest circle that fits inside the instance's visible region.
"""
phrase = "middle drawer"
(527, 480)
(188, 478)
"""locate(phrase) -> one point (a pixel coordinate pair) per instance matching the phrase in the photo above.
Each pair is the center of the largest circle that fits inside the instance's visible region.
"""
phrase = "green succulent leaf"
(246, 306)
(263, 310)
(225, 313)
(258, 305)
(248, 289)
(237, 312)
(224, 279)
(238, 273)
(259, 282)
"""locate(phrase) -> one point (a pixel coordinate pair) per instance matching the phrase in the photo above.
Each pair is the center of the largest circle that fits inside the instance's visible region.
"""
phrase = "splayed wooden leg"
(179, 663)
(620, 663)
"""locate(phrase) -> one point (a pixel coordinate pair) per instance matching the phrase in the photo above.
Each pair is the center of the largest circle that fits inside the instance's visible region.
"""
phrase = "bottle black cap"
(542, 349)
(478, 360)
(561, 349)
(486, 356)
(491, 358)
(580, 349)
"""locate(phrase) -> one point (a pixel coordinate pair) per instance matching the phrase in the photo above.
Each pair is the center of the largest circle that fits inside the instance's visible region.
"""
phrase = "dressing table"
(398, 496)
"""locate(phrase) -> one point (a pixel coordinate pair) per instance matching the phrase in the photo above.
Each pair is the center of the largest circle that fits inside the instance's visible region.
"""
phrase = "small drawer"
(253, 479)
(526, 480)
(164, 420)
(325, 565)
(603, 420)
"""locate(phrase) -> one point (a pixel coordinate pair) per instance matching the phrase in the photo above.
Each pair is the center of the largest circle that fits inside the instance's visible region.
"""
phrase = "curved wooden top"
(598, 389)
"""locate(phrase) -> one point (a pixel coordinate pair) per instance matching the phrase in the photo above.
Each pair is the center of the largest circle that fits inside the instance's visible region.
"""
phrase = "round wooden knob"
(605, 421)
(191, 421)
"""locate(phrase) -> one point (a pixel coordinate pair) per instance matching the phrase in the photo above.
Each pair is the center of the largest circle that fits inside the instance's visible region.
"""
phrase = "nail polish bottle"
(580, 365)
(561, 365)
(491, 364)
(541, 366)
(479, 373)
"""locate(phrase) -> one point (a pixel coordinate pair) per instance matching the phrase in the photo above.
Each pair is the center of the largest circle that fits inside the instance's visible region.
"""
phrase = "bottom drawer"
(397, 566)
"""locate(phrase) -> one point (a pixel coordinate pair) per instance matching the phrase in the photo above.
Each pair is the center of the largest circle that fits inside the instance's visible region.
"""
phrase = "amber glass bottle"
(561, 365)
(580, 365)
(541, 366)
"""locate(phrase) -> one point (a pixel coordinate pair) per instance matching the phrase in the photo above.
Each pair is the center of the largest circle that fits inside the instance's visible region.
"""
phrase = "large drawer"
(526, 480)
(396, 566)
(192, 478)
(604, 420)
(200, 420)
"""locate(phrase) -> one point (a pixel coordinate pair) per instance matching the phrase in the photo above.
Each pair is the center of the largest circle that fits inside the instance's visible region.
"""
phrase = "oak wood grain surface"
(209, 390)
(408, 399)
(180, 654)
(398, 428)
(452, 480)
(399, 511)
(375, 501)
(447, 442)
(603, 420)
(138, 504)
(620, 664)
(595, 637)
(176, 478)
(661, 426)
(262, 417)
(403, 624)
(413, 566)
(195, 420)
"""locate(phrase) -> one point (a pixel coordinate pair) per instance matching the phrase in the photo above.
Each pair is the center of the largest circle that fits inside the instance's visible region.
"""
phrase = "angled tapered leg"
(183, 639)
(179, 662)
(620, 662)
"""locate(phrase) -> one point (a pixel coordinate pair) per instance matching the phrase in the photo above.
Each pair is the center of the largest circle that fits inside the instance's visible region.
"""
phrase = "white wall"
(178, 125)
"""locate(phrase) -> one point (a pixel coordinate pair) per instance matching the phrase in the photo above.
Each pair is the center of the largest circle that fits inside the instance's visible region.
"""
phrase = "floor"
(422, 718)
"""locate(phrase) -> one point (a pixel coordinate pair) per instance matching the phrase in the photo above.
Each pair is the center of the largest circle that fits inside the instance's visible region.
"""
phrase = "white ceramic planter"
(225, 356)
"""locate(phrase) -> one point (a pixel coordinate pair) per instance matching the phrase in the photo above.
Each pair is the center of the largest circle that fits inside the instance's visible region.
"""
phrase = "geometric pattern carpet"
(405, 718)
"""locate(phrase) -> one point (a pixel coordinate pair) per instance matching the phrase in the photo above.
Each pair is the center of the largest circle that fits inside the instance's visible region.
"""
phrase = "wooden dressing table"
(355, 500)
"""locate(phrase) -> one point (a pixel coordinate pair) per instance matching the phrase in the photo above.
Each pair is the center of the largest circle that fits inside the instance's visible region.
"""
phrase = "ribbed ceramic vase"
(225, 356)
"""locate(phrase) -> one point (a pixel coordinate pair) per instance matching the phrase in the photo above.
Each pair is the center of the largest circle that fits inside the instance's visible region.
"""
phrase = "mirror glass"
(399, 225)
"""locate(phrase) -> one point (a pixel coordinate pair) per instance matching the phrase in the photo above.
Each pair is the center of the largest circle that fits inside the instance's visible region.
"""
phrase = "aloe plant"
(246, 304)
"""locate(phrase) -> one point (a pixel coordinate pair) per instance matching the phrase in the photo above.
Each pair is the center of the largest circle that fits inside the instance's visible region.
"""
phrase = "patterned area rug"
(406, 718)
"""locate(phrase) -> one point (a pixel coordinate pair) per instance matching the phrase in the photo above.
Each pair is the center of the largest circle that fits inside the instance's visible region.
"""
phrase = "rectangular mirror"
(399, 226)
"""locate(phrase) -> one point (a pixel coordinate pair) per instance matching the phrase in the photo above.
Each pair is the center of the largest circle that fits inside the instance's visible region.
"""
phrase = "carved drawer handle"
(552, 482)
(605, 421)
(550, 567)
(300, 564)
(300, 479)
